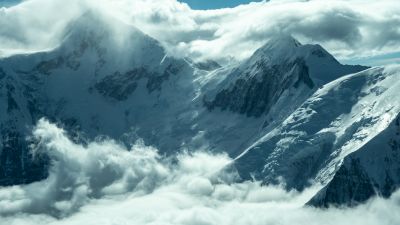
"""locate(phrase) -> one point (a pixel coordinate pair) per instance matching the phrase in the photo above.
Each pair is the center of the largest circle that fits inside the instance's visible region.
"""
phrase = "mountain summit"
(283, 70)
(322, 65)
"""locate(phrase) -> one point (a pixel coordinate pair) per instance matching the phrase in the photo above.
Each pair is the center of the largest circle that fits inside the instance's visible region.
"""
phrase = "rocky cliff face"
(254, 94)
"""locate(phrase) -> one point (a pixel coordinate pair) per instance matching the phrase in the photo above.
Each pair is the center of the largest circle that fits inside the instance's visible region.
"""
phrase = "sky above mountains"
(361, 32)
(194, 4)
(215, 4)
(8, 3)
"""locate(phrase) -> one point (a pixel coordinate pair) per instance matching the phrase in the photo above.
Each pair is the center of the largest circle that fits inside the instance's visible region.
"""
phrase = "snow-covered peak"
(279, 43)
(112, 40)
(93, 23)
(284, 49)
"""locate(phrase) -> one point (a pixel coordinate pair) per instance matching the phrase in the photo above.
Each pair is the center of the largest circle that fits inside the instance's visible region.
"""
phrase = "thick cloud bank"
(102, 182)
(350, 29)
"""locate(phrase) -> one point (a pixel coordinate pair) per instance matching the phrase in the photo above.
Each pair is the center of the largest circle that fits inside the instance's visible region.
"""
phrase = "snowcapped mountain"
(94, 82)
(258, 94)
(338, 119)
(288, 113)
(284, 71)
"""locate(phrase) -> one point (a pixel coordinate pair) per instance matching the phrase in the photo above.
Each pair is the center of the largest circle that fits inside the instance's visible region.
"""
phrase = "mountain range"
(290, 113)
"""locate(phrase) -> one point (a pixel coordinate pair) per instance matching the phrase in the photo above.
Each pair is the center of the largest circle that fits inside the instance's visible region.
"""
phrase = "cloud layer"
(349, 29)
(104, 183)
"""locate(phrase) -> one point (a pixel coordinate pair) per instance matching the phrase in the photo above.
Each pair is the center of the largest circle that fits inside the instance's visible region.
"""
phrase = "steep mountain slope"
(372, 170)
(337, 120)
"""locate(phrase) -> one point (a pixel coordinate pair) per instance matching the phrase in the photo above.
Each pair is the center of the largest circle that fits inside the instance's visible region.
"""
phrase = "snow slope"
(340, 118)
(371, 170)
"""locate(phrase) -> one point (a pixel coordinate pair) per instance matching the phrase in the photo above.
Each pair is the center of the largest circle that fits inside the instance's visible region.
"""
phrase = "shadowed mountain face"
(288, 113)
(254, 95)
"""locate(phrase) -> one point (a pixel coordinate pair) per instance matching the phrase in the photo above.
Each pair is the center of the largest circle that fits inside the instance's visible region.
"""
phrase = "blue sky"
(8, 2)
(195, 4)
(390, 58)
(214, 4)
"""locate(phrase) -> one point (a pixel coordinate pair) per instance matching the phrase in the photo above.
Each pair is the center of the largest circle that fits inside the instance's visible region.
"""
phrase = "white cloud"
(104, 183)
(34, 25)
(349, 29)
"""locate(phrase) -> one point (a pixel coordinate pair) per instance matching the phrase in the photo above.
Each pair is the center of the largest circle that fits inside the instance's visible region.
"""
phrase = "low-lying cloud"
(349, 29)
(103, 182)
